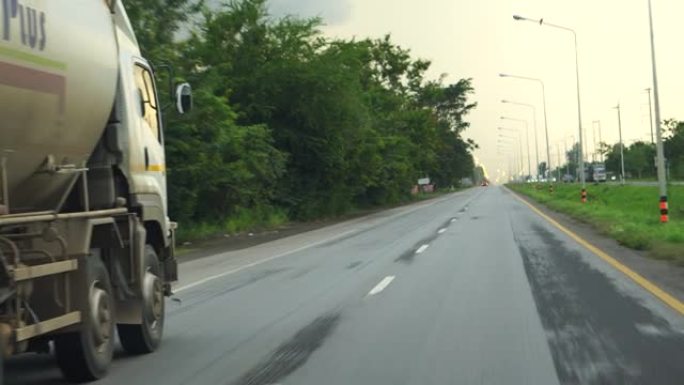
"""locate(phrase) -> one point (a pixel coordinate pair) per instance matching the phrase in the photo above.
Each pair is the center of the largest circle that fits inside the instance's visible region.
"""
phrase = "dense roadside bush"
(292, 124)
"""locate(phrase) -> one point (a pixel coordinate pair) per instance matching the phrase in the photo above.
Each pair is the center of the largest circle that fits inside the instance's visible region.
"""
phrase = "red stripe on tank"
(34, 80)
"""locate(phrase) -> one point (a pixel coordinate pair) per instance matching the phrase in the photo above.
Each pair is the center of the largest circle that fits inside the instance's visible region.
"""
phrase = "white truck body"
(86, 244)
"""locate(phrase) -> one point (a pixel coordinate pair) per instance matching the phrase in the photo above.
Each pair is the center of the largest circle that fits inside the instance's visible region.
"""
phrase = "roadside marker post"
(664, 210)
(584, 195)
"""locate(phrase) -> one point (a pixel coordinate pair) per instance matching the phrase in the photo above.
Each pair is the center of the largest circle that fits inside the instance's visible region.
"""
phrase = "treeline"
(639, 160)
(639, 157)
(287, 120)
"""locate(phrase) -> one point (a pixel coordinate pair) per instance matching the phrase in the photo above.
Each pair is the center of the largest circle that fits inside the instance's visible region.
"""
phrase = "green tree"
(639, 160)
(542, 168)
(674, 148)
(288, 118)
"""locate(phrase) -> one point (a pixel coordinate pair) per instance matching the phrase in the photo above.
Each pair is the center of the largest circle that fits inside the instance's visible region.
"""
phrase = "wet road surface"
(474, 288)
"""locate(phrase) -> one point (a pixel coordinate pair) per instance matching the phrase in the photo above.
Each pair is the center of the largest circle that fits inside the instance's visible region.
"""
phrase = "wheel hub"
(101, 316)
(153, 297)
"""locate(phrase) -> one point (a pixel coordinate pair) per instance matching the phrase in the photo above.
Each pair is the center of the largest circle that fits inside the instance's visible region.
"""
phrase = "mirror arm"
(169, 69)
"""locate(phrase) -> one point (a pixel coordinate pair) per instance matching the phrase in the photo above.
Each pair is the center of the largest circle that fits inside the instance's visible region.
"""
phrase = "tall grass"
(629, 214)
(242, 221)
(262, 218)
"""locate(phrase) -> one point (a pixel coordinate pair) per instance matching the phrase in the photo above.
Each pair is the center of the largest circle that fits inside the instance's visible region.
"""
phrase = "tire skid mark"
(292, 354)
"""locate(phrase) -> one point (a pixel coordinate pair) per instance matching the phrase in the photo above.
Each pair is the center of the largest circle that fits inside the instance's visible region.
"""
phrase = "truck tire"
(146, 337)
(86, 355)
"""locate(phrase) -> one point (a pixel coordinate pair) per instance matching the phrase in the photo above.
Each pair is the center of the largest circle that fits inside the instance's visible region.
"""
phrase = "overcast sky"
(479, 39)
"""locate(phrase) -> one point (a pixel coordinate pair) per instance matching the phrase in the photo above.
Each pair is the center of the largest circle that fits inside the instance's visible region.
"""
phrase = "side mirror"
(184, 98)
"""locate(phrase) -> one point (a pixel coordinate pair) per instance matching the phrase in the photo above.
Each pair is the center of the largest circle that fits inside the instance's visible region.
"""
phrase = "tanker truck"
(86, 245)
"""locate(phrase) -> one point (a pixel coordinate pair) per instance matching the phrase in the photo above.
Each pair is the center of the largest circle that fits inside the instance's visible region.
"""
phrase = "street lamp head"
(505, 101)
(520, 18)
(503, 75)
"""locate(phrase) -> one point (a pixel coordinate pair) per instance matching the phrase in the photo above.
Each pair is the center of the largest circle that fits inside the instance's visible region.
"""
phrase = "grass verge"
(244, 220)
(260, 219)
(629, 214)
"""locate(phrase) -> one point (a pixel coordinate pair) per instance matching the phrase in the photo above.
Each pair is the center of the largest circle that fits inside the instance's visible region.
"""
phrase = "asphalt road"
(474, 288)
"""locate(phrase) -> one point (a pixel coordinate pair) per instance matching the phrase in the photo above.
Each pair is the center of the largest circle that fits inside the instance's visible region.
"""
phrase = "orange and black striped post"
(584, 195)
(664, 211)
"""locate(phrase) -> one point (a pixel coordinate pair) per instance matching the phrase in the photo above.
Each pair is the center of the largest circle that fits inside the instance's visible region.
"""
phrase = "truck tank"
(58, 78)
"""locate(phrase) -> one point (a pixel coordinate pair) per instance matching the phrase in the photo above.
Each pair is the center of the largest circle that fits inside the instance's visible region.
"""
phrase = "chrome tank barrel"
(58, 77)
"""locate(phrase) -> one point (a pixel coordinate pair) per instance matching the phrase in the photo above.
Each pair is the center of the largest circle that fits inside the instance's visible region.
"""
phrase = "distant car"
(567, 178)
(484, 183)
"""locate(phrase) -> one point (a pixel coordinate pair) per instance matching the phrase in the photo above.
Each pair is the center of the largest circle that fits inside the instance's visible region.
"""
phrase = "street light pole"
(577, 155)
(650, 115)
(522, 156)
(622, 146)
(527, 134)
(600, 141)
(659, 135)
(514, 156)
(541, 22)
(534, 125)
(504, 152)
(546, 126)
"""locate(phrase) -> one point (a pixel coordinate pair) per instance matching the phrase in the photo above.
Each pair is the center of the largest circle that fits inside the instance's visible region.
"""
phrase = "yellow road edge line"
(656, 291)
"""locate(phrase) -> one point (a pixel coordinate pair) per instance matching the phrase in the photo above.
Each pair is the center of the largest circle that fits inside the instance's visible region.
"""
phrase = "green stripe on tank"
(33, 59)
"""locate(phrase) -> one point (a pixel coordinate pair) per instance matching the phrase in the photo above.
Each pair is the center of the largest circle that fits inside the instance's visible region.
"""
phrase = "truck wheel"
(146, 337)
(85, 355)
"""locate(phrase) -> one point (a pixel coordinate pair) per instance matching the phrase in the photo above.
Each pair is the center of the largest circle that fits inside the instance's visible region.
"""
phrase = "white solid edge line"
(441, 231)
(382, 285)
(229, 272)
(422, 249)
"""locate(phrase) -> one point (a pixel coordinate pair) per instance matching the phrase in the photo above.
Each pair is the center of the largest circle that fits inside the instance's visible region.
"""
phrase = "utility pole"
(622, 146)
(567, 164)
(559, 162)
(601, 159)
(593, 132)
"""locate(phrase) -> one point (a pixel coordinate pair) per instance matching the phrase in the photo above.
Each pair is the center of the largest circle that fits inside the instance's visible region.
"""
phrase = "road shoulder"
(662, 273)
(226, 243)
